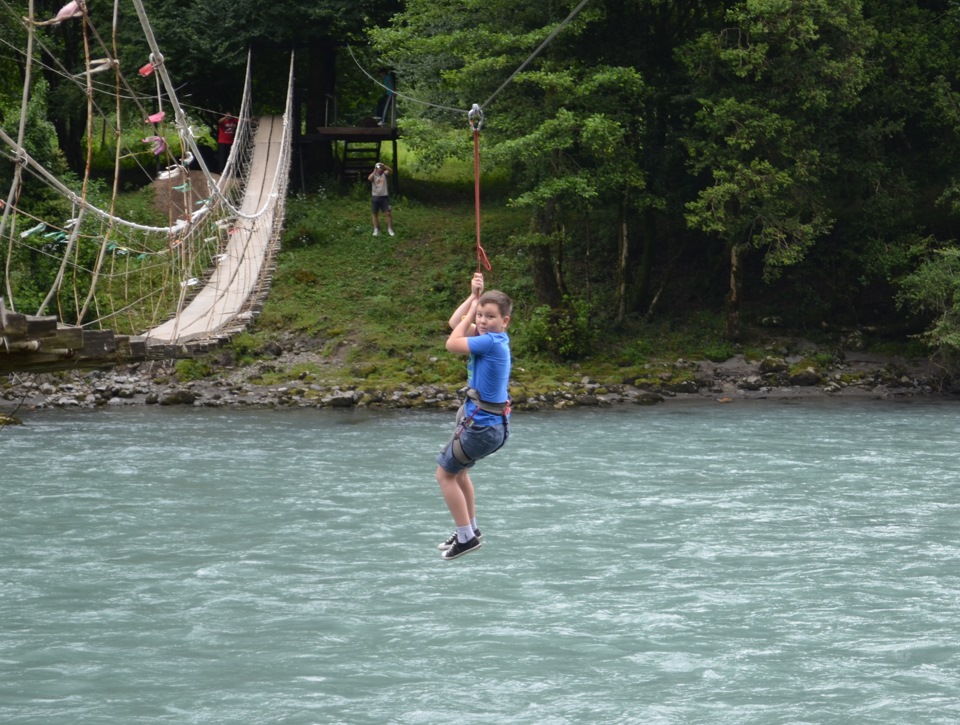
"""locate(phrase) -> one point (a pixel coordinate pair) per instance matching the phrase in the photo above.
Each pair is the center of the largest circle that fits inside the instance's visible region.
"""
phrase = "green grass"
(377, 307)
(385, 300)
(380, 305)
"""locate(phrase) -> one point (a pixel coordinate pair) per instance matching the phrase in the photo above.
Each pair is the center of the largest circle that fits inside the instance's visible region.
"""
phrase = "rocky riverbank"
(853, 375)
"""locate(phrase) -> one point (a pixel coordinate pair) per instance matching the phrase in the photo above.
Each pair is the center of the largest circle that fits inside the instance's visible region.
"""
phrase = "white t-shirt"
(379, 184)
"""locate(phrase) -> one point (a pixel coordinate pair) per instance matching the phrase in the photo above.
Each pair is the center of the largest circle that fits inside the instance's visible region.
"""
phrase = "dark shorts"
(381, 203)
(478, 441)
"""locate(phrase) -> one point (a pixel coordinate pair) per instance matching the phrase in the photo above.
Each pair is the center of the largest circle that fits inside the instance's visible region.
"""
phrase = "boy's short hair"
(500, 299)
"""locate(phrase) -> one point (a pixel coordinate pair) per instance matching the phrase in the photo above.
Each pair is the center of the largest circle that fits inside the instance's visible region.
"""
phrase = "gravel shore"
(855, 375)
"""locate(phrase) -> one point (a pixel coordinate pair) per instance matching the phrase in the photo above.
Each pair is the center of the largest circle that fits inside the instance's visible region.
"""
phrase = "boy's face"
(489, 318)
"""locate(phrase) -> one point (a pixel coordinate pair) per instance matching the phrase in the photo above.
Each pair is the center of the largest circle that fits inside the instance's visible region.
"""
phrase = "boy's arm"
(476, 289)
(460, 313)
(459, 340)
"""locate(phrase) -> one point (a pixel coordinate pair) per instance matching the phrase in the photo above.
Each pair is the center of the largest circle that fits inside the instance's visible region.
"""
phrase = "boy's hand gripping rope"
(475, 117)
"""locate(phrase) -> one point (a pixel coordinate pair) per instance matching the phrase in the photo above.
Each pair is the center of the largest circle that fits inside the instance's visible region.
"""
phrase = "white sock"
(465, 533)
(473, 523)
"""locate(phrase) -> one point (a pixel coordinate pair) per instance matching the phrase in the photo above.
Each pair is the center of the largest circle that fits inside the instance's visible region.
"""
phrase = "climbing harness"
(501, 409)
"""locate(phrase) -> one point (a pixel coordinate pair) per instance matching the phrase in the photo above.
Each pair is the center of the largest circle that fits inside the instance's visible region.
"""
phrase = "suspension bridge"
(125, 290)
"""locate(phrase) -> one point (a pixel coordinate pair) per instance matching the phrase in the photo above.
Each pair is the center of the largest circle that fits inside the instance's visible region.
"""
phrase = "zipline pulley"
(475, 116)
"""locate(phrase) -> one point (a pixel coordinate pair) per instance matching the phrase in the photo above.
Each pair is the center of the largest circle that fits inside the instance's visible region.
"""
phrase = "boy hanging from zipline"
(483, 421)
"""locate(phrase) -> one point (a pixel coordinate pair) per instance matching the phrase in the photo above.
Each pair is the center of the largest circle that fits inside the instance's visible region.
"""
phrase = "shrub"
(191, 369)
(245, 347)
(719, 352)
(564, 332)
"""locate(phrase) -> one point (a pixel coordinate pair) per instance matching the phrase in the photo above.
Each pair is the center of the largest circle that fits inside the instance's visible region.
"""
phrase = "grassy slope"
(379, 305)
(384, 299)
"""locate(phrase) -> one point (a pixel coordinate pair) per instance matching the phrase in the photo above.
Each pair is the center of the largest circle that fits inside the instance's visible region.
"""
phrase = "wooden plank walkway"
(221, 302)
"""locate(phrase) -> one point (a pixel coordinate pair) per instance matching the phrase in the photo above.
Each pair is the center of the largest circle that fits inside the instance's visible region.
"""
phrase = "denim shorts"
(380, 203)
(477, 441)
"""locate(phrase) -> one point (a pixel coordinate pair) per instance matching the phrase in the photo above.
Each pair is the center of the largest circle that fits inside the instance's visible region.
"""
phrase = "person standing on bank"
(381, 197)
(483, 421)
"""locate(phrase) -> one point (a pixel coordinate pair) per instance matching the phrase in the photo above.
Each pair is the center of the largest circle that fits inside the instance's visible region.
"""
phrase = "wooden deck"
(360, 150)
(353, 133)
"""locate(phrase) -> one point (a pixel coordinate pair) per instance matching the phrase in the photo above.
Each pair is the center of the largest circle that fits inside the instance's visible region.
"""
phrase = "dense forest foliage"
(776, 158)
(788, 159)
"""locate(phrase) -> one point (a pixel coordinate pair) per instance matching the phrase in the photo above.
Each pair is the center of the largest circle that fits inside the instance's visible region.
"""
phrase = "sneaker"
(453, 540)
(391, 231)
(459, 549)
(376, 232)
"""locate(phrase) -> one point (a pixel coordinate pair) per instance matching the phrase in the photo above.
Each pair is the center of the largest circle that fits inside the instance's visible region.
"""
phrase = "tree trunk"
(70, 137)
(732, 328)
(320, 111)
(641, 278)
(542, 263)
(623, 257)
(66, 102)
(558, 272)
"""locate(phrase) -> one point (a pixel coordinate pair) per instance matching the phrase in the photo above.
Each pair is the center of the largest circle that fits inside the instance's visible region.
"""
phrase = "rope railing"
(112, 270)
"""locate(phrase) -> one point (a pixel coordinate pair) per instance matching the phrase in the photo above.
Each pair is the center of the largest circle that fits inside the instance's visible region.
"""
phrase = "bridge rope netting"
(187, 263)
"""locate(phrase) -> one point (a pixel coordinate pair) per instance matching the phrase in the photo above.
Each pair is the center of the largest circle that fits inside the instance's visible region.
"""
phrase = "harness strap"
(456, 446)
(458, 452)
(494, 408)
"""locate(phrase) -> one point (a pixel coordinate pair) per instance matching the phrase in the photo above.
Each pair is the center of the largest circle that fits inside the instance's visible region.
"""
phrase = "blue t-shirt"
(488, 371)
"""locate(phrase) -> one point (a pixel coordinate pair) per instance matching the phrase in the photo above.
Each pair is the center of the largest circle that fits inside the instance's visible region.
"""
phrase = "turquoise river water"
(754, 562)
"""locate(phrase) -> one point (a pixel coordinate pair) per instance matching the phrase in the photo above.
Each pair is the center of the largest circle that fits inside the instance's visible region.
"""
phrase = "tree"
(583, 155)
(40, 139)
(204, 46)
(896, 190)
(933, 291)
(569, 126)
(773, 87)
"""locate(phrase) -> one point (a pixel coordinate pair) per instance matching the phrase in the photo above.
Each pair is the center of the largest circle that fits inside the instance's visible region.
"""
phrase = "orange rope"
(481, 255)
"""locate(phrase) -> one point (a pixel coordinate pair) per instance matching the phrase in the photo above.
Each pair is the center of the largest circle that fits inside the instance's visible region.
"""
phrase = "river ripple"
(689, 563)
